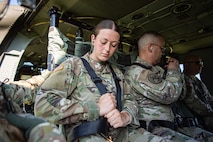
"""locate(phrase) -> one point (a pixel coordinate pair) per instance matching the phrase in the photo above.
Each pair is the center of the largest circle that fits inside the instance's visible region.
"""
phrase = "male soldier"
(153, 89)
(197, 100)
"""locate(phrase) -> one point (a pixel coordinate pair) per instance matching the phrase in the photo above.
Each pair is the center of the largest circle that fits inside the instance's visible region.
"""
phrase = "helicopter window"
(181, 68)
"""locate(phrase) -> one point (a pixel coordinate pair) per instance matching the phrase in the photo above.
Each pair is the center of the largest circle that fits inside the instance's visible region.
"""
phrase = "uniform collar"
(97, 66)
(143, 62)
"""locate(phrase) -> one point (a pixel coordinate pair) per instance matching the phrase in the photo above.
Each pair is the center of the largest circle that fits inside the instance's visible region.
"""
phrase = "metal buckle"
(108, 139)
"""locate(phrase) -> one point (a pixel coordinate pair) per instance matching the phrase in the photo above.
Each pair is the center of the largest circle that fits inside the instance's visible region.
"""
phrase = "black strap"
(101, 87)
(142, 65)
(188, 122)
(156, 123)
(118, 95)
(90, 128)
(97, 80)
(162, 123)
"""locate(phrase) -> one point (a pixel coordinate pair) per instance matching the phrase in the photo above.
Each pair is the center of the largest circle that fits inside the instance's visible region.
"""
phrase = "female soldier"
(70, 97)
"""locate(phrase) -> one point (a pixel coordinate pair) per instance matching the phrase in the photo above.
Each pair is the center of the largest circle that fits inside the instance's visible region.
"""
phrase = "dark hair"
(106, 24)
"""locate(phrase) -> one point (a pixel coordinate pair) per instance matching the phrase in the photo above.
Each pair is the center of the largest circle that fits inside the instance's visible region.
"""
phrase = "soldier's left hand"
(117, 119)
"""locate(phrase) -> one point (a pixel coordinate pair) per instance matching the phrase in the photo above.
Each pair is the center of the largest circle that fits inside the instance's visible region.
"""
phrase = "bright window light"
(181, 68)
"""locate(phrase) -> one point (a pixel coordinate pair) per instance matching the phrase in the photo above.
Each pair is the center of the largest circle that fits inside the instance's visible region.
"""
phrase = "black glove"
(25, 122)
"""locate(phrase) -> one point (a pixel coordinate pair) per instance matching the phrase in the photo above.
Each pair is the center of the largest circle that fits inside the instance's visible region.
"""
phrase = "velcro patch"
(154, 78)
(143, 74)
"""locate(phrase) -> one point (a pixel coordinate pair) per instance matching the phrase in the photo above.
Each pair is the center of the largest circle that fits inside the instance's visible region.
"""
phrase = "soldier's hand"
(117, 119)
(172, 63)
(106, 103)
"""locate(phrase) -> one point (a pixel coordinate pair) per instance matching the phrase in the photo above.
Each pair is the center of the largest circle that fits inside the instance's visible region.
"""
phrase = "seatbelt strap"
(97, 80)
(99, 126)
(142, 65)
(118, 95)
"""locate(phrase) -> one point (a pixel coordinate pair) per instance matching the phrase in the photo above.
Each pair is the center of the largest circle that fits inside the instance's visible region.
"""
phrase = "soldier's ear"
(92, 39)
(150, 49)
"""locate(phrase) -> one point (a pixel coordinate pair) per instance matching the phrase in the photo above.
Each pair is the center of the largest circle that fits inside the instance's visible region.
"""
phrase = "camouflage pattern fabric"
(58, 47)
(41, 133)
(199, 106)
(69, 96)
(46, 132)
(132, 134)
(197, 133)
(23, 92)
(72, 99)
(153, 91)
(202, 104)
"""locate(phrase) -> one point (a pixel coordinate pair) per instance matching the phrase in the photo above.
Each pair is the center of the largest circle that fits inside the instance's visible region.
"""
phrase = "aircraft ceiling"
(186, 24)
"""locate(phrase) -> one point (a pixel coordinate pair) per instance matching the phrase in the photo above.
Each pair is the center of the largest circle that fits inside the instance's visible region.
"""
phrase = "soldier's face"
(158, 50)
(105, 44)
(193, 65)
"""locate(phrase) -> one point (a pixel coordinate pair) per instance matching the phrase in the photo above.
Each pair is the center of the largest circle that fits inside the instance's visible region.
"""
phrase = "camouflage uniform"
(46, 132)
(153, 91)
(22, 93)
(40, 133)
(59, 48)
(73, 98)
(70, 97)
(199, 101)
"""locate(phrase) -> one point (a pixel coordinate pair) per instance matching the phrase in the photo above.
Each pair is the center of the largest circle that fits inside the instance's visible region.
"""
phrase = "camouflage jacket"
(152, 91)
(22, 93)
(197, 97)
(70, 97)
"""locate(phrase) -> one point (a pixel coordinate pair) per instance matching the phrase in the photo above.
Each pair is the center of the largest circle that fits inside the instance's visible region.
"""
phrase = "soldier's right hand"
(172, 63)
(106, 103)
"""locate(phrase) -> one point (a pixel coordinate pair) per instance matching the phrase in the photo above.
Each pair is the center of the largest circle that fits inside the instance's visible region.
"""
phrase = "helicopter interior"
(186, 25)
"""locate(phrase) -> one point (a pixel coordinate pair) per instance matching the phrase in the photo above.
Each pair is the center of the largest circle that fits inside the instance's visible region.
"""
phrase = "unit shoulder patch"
(154, 78)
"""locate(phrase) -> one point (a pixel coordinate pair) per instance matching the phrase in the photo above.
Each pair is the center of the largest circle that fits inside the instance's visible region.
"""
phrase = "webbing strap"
(118, 95)
(97, 80)
(90, 128)
(142, 65)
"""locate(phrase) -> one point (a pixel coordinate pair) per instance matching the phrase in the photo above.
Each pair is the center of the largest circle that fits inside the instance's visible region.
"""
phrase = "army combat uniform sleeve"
(153, 91)
(130, 105)
(197, 97)
(55, 103)
(154, 86)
